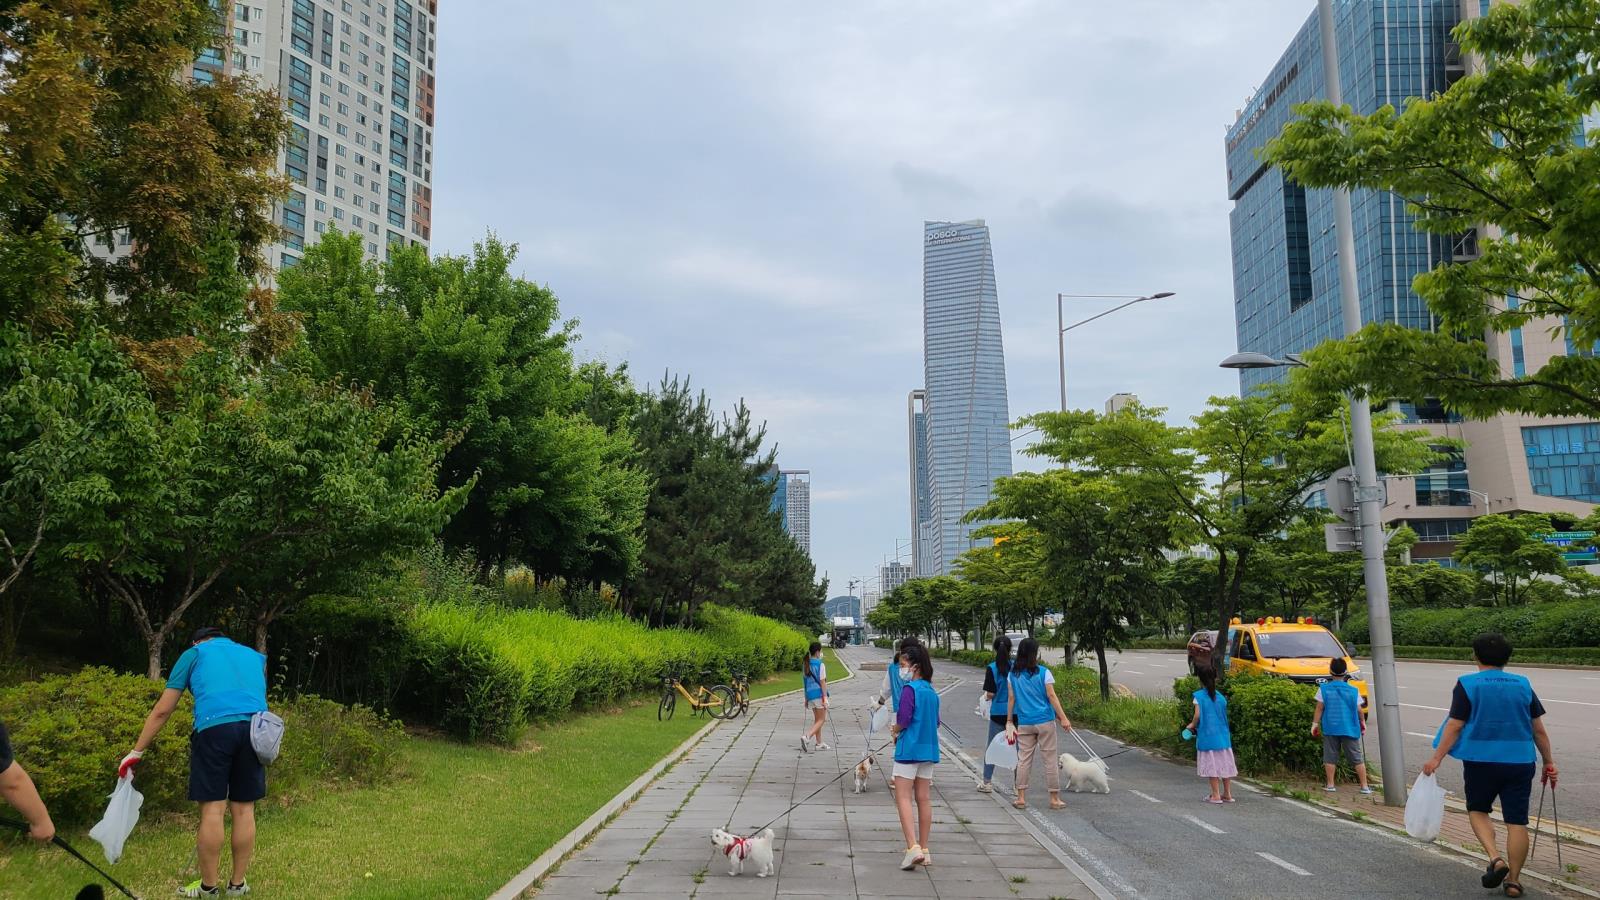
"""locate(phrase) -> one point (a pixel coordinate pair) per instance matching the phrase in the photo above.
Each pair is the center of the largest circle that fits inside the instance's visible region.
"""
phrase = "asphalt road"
(1571, 699)
(1152, 836)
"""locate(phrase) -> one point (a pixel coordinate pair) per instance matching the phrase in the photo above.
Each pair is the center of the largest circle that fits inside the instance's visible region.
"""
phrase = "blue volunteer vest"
(1033, 707)
(1341, 709)
(919, 742)
(1500, 728)
(814, 679)
(1002, 691)
(1214, 733)
(895, 684)
(229, 680)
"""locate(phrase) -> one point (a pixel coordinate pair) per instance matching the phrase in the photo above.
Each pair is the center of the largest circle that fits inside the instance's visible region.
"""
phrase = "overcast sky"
(736, 192)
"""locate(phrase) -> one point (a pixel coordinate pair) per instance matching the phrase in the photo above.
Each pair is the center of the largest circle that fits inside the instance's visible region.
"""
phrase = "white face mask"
(905, 673)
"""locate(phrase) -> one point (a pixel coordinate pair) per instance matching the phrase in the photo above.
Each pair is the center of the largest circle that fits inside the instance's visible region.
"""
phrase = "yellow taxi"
(1299, 650)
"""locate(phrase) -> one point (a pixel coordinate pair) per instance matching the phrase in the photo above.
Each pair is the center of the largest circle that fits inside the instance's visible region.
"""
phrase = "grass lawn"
(791, 681)
(459, 822)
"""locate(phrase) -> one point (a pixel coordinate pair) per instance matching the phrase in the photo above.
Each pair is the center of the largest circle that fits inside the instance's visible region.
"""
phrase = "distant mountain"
(843, 606)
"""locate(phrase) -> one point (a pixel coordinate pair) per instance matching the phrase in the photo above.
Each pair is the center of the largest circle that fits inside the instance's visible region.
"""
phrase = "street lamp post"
(1062, 328)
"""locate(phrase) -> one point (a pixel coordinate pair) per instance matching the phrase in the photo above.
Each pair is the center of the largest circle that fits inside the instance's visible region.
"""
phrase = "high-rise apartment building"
(357, 77)
(1286, 276)
(891, 575)
(797, 507)
(1120, 401)
(960, 438)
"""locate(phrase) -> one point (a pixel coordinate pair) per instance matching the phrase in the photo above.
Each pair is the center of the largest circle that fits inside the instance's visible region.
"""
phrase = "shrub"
(70, 730)
(1271, 723)
(883, 643)
(1574, 623)
(1563, 656)
(350, 649)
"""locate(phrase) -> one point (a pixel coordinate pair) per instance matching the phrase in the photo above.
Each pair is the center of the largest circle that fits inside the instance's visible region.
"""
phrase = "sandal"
(1513, 889)
(1057, 804)
(1020, 804)
(1493, 876)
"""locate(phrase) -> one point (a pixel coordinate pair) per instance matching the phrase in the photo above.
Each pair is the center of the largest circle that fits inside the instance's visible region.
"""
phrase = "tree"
(1004, 580)
(101, 145)
(1430, 586)
(1496, 149)
(1511, 550)
(1233, 480)
(481, 359)
(1101, 546)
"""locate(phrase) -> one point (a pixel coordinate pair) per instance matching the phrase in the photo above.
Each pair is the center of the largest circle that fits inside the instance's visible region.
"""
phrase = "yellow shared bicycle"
(718, 700)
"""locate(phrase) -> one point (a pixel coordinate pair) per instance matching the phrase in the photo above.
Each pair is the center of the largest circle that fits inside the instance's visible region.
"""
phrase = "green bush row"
(1566, 656)
(1574, 623)
(70, 730)
(1158, 644)
(1270, 720)
(482, 672)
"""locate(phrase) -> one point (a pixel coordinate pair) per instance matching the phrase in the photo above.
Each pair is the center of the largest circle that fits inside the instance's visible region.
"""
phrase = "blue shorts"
(1511, 782)
(223, 765)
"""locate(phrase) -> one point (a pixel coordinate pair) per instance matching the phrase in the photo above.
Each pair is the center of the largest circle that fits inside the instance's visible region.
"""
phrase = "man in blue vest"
(229, 683)
(1337, 719)
(1495, 723)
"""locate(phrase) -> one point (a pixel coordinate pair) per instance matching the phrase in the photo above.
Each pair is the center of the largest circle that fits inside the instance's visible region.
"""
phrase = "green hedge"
(483, 672)
(1565, 656)
(1270, 720)
(1574, 623)
(70, 730)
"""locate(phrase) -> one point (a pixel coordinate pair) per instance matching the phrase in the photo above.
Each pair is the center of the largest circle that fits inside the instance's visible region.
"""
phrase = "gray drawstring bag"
(266, 736)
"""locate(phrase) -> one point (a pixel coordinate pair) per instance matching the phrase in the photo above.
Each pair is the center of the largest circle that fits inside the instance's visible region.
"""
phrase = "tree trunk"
(153, 645)
(1105, 670)
(1219, 650)
(262, 621)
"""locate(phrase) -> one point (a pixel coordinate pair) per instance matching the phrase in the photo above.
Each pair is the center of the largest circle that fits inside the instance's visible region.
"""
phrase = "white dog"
(1080, 773)
(863, 770)
(737, 849)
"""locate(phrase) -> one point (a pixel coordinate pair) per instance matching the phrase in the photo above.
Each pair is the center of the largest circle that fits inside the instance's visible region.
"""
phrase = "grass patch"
(460, 823)
(1137, 720)
(792, 681)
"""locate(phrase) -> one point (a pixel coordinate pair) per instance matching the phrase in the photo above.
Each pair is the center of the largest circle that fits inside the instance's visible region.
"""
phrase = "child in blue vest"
(1213, 741)
(1337, 719)
(916, 752)
(1033, 713)
(996, 688)
(816, 682)
(1496, 722)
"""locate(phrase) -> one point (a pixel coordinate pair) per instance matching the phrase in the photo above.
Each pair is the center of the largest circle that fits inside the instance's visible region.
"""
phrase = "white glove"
(1011, 732)
(128, 762)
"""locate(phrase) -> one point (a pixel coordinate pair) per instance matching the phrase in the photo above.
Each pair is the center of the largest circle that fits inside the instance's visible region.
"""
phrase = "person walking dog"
(19, 791)
(1032, 714)
(997, 690)
(229, 684)
(1495, 723)
(816, 681)
(916, 752)
(1337, 720)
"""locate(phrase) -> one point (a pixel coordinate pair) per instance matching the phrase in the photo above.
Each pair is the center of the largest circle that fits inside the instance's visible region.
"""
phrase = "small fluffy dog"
(737, 849)
(863, 770)
(1080, 773)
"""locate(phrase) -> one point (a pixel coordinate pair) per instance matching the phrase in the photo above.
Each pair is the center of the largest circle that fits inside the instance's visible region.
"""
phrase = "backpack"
(266, 736)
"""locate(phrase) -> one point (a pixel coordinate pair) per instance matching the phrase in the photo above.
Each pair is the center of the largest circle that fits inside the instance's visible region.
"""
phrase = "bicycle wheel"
(744, 698)
(669, 703)
(722, 702)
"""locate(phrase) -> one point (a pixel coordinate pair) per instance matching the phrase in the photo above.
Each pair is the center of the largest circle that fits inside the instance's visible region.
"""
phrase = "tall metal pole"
(1368, 492)
(1061, 351)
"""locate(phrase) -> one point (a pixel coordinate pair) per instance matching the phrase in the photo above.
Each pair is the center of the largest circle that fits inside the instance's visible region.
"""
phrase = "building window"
(1445, 483)
(1564, 460)
(1436, 531)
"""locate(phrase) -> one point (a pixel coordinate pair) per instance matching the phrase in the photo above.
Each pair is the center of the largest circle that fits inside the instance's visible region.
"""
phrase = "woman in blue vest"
(1496, 722)
(996, 689)
(1213, 744)
(816, 681)
(1032, 714)
(1337, 720)
(916, 752)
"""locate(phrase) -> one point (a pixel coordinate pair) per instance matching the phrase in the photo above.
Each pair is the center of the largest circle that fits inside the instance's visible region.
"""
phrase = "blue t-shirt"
(228, 680)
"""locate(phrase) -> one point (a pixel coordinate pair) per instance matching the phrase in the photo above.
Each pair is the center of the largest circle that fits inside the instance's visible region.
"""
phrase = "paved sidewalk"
(837, 844)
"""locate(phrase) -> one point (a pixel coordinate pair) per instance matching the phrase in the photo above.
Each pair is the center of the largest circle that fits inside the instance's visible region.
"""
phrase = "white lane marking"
(1574, 702)
(951, 686)
(1316, 809)
(1589, 678)
(1192, 820)
(1420, 735)
(1282, 864)
(1144, 795)
(1420, 706)
(1136, 672)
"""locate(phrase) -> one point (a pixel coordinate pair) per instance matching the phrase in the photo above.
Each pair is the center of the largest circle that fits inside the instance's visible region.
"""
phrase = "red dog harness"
(741, 844)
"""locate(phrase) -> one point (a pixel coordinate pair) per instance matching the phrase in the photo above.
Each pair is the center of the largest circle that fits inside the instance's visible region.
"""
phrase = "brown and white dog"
(863, 772)
(737, 849)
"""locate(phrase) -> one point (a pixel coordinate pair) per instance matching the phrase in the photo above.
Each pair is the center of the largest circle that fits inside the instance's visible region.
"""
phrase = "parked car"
(1299, 651)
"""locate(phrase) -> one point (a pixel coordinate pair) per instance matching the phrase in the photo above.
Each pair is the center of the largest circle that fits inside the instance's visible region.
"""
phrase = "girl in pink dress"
(1213, 741)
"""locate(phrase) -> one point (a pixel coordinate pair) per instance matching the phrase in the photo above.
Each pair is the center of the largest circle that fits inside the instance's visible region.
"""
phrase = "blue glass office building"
(964, 427)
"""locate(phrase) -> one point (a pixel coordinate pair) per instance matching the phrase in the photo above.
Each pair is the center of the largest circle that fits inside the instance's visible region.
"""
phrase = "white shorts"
(818, 703)
(914, 770)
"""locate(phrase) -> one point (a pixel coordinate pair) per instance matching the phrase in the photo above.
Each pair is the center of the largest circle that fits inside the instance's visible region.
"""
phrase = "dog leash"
(819, 790)
(24, 827)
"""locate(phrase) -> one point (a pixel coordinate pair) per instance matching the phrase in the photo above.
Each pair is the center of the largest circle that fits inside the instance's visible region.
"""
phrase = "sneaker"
(239, 890)
(196, 889)
(1330, 789)
(1367, 789)
(907, 862)
(804, 747)
(985, 787)
(927, 857)
(822, 746)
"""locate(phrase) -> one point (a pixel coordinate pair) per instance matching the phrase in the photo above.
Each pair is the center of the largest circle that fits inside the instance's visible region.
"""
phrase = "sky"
(736, 192)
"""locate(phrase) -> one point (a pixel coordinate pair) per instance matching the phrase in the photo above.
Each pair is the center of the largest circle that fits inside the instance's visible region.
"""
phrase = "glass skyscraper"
(960, 438)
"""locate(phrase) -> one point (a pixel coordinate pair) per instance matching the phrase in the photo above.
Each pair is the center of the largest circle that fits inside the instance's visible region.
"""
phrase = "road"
(1571, 698)
(1153, 837)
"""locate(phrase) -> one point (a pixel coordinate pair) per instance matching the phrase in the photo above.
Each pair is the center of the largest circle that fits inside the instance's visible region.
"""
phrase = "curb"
(558, 851)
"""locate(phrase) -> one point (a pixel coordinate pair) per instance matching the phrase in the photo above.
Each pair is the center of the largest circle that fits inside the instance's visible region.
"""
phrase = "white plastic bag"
(122, 813)
(1001, 753)
(984, 705)
(880, 719)
(1425, 808)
